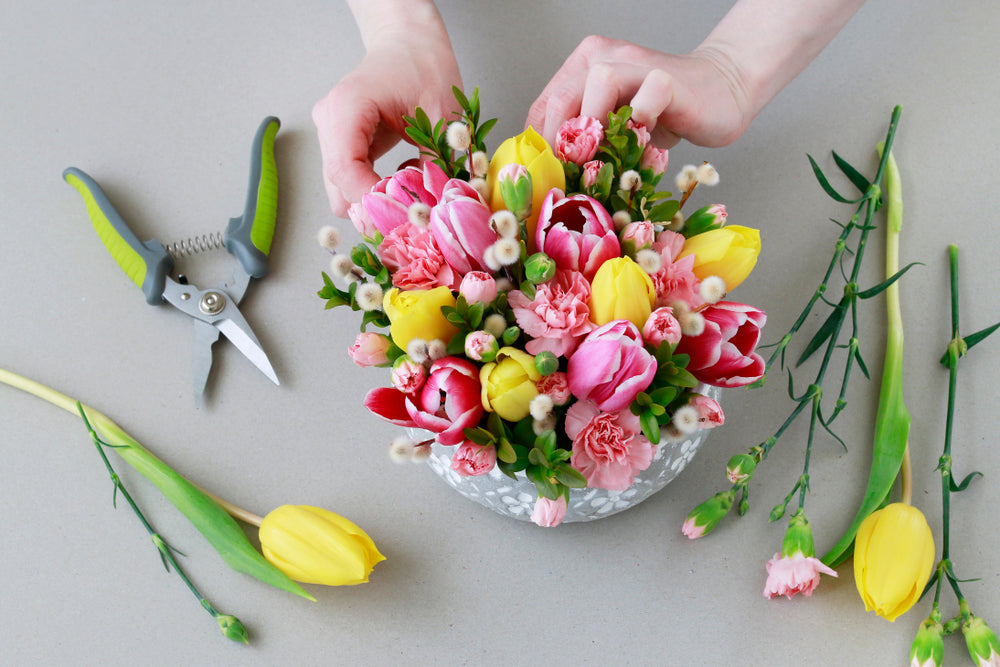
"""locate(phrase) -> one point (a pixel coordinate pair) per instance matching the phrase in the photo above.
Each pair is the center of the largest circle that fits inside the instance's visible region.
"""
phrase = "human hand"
(361, 118)
(698, 97)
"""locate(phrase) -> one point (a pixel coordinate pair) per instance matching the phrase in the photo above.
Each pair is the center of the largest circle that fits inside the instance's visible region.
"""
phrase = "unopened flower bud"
(539, 268)
(798, 537)
(927, 649)
(481, 346)
(514, 182)
(458, 136)
(705, 517)
(232, 628)
(984, 648)
(511, 334)
(328, 237)
(740, 468)
(546, 362)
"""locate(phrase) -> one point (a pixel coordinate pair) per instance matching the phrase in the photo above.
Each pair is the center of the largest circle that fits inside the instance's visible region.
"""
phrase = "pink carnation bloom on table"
(578, 139)
(675, 281)
(788, 575)
(471, 460)
(609, 448)
(576, 232)
(724, 355)
(558, 317)
(449, 401)
(413, 258)
(460, 223)
(548, 513)
(369, 349)
(611, 366)
(691, 530)
(386, 206)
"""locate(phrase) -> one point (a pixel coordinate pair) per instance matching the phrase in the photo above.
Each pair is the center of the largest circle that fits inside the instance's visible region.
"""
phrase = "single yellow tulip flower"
(893, 559)
(532, 151)
(509, 383)
(417, 314)
(729, 252)
(316, 546)
(621, 290)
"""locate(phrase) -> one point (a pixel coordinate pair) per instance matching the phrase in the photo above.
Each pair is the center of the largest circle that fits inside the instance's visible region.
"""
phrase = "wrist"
(386, 21)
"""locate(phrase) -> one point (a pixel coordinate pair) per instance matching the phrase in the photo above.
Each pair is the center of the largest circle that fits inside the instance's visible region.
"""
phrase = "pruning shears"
(149, 264)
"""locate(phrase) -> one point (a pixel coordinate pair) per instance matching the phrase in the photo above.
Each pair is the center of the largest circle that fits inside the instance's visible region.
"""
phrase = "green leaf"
(650, 427)
(972, 339)
(825, 184)
(958, 488)
(859, 181)
(505, 451)
(881, 287)
(830, 326)
(570, 476)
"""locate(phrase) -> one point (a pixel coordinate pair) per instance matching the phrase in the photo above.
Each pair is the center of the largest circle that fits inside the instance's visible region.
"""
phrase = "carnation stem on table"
(231, 626)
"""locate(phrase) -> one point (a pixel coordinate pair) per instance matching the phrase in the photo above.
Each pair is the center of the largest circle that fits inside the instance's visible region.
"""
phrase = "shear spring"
(195, 245)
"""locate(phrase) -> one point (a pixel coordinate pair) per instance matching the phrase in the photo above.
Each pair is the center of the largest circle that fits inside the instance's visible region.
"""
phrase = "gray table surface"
(158, 101)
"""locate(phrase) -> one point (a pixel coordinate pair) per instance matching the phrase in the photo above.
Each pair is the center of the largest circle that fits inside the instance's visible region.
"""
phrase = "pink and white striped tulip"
(576, 232)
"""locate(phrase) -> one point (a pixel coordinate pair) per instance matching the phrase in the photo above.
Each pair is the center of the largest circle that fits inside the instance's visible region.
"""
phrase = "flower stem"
(166, 551)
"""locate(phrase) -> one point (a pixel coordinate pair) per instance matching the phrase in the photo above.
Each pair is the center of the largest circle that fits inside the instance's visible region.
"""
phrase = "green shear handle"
(248, 237)
(147, 264)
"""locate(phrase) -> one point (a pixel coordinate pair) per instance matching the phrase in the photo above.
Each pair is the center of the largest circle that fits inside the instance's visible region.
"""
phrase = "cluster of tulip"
(547, 311)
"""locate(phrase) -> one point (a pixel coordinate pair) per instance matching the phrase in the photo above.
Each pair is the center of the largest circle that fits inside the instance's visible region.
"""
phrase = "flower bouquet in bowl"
(555, 327)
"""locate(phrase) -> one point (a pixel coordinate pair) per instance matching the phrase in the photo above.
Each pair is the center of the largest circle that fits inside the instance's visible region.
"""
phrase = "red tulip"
(723, 354)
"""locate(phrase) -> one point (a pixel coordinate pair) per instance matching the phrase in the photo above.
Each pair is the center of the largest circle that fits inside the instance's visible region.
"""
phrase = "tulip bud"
(539, 268)
(621, 290)
(740, 468)
(705, 517)
(927, 649)
(893, 559)
(514, 182)
(983, 645)
(729, 252)
(316, 546)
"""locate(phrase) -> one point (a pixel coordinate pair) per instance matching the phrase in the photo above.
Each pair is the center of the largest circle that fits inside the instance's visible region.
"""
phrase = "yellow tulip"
(508, 384)
(417, 314)
(316, 546)
(729, 252)
(621, 290)
(532, 151)
(893, 559)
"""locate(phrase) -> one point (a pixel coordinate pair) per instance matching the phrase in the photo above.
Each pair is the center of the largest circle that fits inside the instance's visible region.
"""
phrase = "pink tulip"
(576, 232)
(611, 366)
(387, 204)
(460, 223)
(449, 401)
(578, 139)
(723, 354)
(471, 460)
(548, 513)
(369, 349)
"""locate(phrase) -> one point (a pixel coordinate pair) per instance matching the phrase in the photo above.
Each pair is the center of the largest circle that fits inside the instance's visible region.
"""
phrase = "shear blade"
(247, 343)
(205, 336)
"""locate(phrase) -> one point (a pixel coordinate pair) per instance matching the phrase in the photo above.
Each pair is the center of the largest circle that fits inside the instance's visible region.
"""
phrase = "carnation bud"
(740, 468)
(798, 537)
(510, 335)
(232, 628)
(546, 362)
(982, 642)
(539, 268)
(458, 136)
(515, 189)
(481, 346)
(705, 517)
(927, 649)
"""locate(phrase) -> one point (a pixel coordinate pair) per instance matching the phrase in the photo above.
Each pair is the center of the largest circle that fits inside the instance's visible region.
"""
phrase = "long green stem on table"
(211, 520)
(230, 625)
(892, 421)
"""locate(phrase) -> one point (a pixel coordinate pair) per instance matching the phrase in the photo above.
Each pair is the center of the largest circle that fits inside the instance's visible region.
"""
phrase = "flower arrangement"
(546, 311)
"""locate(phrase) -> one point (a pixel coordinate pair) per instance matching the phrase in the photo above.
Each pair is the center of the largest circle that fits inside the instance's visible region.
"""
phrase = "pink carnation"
(675, 281)
(471, 460)
(662, 326)
(578, 139)
(548, 513)
(588, 178)
(558, 317)
(609, 448)
(709, 411)
(641, 133)
(655, 158)
(788, 575)
(412, 256)
(478, 287)
(555, 386)
(408, 376)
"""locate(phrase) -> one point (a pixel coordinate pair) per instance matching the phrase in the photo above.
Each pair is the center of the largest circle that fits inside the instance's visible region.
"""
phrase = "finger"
(608, 86)
(665, 106)
(346, 129)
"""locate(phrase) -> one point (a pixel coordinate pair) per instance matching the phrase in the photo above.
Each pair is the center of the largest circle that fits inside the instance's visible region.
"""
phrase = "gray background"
(159, 101)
